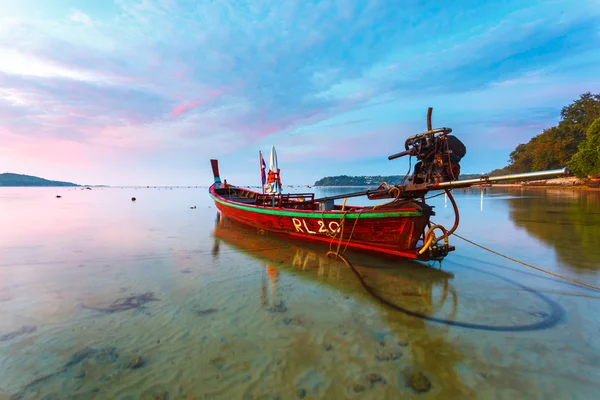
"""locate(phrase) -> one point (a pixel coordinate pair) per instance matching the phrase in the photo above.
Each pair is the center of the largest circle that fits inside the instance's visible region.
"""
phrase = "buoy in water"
(133, 199)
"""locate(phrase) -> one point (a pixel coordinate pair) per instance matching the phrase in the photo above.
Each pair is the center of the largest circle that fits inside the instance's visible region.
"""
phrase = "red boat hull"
(390, 231)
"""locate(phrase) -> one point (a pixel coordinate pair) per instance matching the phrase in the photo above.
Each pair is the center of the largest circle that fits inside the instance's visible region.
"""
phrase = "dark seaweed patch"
(104, 355)
(21, 331)
(80, 355)
(133, 302)
(205, 311)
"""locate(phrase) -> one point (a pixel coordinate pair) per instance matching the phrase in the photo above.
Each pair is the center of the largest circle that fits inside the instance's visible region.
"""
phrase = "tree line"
(574, 142)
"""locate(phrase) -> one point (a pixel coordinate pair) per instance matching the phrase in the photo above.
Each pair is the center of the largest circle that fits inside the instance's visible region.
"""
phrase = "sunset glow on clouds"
(144, 92)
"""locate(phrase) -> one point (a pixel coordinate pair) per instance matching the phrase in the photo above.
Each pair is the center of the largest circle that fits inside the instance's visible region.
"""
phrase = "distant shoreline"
(9, 179)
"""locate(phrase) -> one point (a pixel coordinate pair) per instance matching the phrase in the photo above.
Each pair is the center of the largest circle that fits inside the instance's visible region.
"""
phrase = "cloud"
(16, 63)
(78, 16)
(180, 109)
(164, 77)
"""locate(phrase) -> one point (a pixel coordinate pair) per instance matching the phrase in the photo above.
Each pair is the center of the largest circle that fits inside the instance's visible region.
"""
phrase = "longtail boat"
(400, 227)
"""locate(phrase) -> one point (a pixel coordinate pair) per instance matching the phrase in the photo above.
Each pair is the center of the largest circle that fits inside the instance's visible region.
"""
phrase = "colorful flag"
(263, 168)
(273, 180)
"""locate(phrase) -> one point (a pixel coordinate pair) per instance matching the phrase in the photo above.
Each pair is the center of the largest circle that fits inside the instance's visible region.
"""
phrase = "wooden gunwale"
(353, 212)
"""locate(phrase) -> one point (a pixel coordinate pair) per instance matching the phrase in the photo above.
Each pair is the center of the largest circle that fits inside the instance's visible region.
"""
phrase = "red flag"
(263, 168)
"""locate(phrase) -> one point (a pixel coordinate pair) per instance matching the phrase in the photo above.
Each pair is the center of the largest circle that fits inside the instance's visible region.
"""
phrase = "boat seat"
(243, 200)
(326, 205)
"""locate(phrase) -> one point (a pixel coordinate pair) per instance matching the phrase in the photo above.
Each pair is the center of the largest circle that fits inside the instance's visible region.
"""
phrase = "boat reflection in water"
(421, 289)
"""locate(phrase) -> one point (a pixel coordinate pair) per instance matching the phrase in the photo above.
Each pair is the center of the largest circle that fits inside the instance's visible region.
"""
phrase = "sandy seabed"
(155, 304)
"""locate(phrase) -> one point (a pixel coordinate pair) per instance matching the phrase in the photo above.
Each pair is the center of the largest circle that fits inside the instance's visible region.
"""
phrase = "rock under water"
(21, 331)
(135, 301)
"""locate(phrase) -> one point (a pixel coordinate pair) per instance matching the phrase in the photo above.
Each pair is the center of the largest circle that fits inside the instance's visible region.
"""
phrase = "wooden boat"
(393, 229)
(400, 227)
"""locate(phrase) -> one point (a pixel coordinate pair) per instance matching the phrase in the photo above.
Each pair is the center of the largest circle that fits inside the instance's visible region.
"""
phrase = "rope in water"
(528, 265)
(552, 318)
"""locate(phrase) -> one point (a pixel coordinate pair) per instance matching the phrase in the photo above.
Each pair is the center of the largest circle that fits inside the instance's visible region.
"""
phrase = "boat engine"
(438, 154)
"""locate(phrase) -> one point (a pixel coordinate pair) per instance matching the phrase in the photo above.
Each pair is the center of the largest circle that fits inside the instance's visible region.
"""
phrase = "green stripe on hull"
(318, 215)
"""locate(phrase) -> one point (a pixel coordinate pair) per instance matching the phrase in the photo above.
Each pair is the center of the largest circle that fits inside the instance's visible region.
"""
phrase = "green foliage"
(554, 147)
(587, 159)
(583, 112)
(8, 179)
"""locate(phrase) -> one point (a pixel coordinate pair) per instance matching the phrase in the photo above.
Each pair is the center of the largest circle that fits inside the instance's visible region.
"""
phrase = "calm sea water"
(105, 298)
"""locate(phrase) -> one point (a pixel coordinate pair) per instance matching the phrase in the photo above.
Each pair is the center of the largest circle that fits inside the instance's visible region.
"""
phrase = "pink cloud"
(183, 108)
(103, 145)
(270, 128)
(77, 113)
(307, 118)
(340, 146)
(46, 151)
(181, 75)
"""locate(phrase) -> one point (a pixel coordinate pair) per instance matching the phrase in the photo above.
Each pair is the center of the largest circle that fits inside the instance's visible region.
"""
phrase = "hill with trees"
(574, 142)
(9, 179)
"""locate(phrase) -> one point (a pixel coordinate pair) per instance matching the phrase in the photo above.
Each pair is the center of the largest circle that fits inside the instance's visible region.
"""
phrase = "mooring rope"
(553, 318)
(528, 265)
(352, 231)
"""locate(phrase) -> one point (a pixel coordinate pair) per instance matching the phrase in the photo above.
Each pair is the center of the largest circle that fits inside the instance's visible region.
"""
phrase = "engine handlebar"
(402, 154)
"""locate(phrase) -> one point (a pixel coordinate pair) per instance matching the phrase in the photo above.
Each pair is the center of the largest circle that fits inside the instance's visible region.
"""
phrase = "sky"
(146, 92)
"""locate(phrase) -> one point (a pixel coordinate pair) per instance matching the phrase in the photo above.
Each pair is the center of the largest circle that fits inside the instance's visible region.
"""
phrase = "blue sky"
(145, 92)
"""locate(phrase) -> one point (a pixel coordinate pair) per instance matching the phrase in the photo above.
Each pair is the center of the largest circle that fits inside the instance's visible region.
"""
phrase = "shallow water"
(102, 297)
